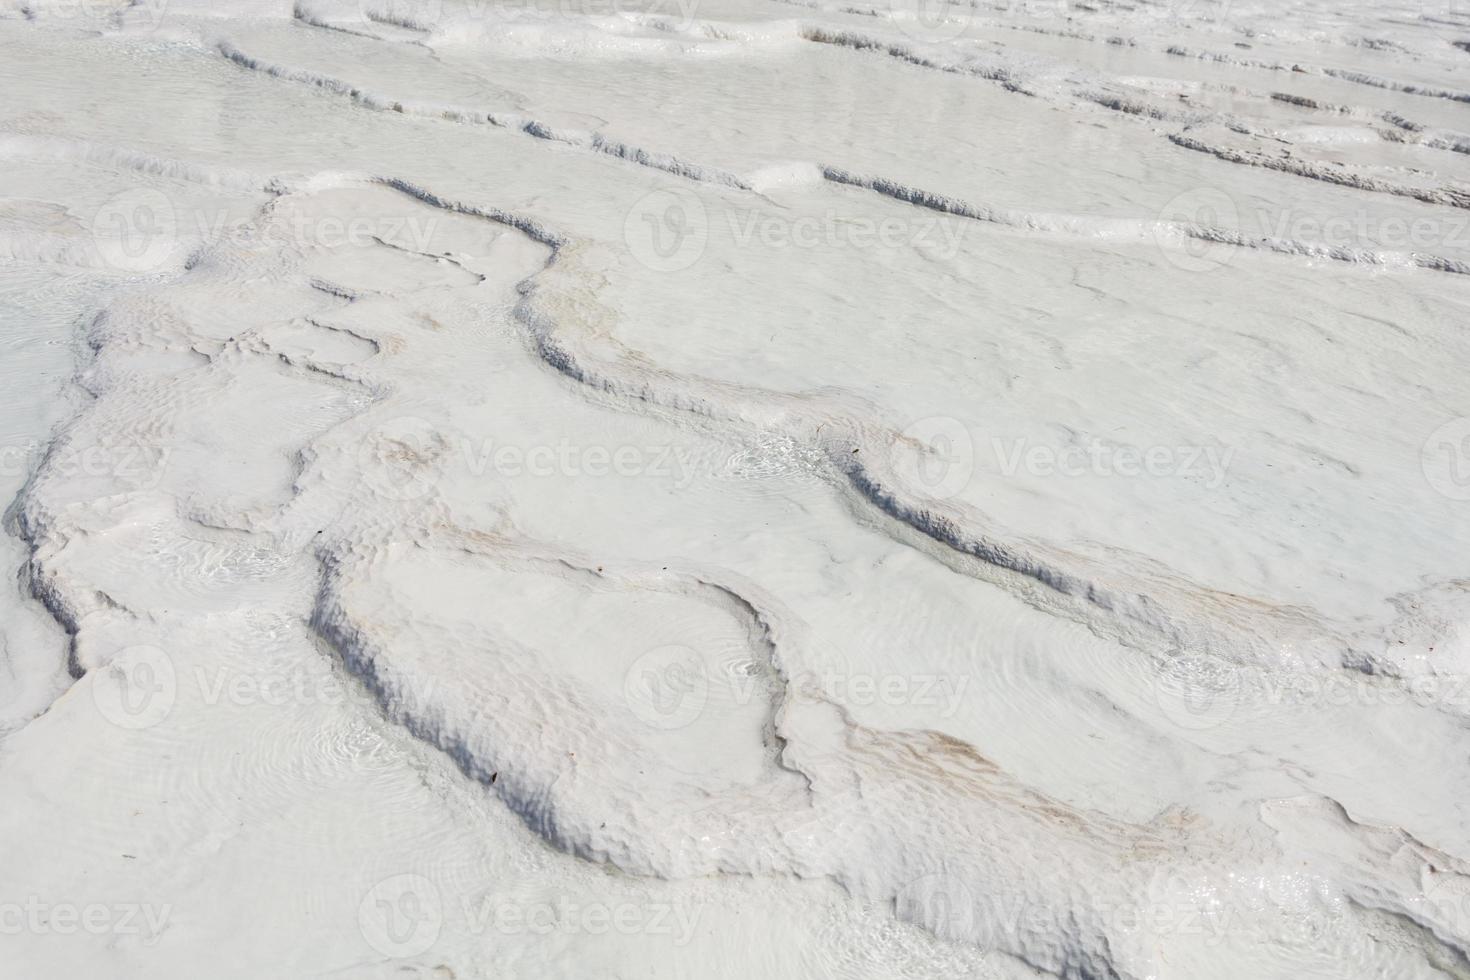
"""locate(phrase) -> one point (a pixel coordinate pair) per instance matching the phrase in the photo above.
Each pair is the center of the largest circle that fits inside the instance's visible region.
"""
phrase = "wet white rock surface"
(735, 489)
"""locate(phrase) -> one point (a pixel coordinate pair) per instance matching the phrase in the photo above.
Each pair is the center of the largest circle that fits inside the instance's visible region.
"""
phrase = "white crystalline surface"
(735, 488)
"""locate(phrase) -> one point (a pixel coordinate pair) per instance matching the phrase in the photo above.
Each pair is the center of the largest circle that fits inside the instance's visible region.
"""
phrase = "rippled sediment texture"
(735, 488)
